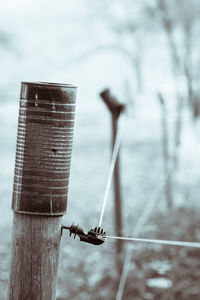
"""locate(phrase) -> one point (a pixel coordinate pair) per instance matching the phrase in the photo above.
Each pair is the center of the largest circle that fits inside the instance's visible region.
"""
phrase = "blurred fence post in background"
(42, 167)
(166, 157)
(115, 109)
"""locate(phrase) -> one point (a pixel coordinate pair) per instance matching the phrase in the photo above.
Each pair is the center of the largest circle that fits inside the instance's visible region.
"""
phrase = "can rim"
(49, 84)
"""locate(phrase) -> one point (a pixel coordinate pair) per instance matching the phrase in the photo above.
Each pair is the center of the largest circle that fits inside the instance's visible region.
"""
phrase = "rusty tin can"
(44, 148)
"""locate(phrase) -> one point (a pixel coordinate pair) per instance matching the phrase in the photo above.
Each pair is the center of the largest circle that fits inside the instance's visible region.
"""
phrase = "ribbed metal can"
(44, 148)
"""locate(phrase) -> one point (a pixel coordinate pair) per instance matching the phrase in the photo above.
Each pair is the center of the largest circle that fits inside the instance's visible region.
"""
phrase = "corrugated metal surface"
(44, 147)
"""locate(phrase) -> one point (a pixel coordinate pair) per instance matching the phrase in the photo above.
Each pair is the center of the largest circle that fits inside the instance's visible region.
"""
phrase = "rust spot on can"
(44, 148)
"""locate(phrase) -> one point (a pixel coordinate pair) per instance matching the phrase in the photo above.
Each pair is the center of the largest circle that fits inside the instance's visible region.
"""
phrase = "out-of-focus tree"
(117, 26)
(126, 24)
(181, 24)
(7, 49)
(4, 39)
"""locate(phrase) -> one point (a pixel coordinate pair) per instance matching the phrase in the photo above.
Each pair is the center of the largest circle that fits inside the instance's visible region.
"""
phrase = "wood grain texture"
(34, 257)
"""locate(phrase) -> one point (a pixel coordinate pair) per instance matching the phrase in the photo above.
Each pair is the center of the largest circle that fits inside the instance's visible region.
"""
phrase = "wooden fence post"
(42, 167)
(115, 109)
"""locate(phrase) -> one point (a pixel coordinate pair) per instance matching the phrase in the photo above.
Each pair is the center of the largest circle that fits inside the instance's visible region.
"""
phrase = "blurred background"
(147, 54)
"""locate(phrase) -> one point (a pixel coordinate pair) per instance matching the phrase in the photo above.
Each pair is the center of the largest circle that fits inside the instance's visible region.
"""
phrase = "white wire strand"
(163, 242)
(136, 231)
(112, 164)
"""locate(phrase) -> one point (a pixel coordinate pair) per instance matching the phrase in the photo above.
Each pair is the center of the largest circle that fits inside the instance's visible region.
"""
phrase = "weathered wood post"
(42, 167)
(115, 109)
